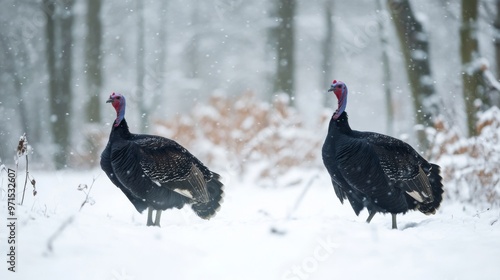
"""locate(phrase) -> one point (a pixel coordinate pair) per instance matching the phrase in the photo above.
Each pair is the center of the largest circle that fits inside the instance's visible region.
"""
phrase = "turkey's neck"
(121, 130)
(341, 124)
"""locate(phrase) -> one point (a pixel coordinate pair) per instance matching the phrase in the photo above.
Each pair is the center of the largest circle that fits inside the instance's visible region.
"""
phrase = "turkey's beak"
(110, 100)
(331, 89)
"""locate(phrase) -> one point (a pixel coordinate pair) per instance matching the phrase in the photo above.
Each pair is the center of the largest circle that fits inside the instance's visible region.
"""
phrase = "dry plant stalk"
(22, 150)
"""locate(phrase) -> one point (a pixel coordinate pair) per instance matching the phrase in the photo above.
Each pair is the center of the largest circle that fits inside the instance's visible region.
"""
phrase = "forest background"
(241, 83)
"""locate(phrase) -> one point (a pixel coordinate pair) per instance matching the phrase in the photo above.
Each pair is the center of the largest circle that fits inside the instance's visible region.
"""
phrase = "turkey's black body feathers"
(106, 166)
(157, 172)
(379, 172)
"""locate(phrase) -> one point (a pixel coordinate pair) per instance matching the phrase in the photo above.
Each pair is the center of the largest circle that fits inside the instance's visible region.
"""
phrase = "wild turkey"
(379, 172)
(157, 173)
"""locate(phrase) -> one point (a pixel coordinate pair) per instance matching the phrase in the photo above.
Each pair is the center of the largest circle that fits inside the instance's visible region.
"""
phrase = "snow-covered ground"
(323, 240)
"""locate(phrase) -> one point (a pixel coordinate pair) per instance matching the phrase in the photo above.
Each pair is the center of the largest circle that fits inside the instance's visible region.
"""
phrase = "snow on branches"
(471, 166)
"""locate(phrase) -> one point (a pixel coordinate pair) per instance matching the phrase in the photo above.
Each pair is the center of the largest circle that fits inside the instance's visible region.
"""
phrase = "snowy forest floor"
(323, 240)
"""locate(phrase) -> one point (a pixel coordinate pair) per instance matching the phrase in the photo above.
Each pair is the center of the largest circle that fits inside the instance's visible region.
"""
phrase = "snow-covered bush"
(233, 134)
(471, 166)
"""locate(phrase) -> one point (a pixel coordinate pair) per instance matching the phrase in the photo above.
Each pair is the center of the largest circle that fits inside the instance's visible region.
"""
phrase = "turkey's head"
(340, 91)
(118, 102)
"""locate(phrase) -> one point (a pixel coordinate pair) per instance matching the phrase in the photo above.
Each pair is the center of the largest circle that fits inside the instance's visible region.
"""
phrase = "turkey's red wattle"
(116, 105)
(338, 94)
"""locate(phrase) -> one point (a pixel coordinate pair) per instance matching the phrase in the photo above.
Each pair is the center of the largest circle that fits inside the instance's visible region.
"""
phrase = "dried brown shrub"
(93, 140)
(471, 166)
(234, 133)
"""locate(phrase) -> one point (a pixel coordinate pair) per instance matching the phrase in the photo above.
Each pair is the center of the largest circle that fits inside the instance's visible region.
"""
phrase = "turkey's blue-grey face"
(118, 102)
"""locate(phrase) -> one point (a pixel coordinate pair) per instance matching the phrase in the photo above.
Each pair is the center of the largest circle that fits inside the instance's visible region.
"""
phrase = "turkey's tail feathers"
(437, 192)
(216, 192)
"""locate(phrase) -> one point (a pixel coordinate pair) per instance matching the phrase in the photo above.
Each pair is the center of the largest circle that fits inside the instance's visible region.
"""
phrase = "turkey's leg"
(394, 224)
(370, 217)
(157, 219)
(150, 216)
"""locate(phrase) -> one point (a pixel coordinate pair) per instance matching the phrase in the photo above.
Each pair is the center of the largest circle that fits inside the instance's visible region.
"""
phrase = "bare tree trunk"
(4, 93)
(327, 49)
(490, 79)
(192, 48)
(193, 57)
(140, 66)
(62, 104)
(14, 64)
(473, 89)
(93, 60)
(496, 39)
(387, 72)
(23, 112)
(50, 49)
(93, 71)
(59, 29)
(162, 55)
(415, 46)
(270, 50)
(285, 62)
